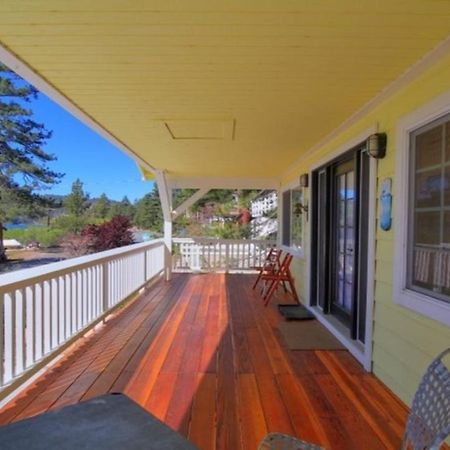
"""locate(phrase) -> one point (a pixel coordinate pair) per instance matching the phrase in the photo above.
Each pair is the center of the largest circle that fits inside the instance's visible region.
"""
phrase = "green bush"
(46, 237)
(51, 236)
(70, 223)
(229, 230)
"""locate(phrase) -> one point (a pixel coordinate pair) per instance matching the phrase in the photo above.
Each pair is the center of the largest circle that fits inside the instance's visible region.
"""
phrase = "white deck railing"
(45, 308)
(205, 254)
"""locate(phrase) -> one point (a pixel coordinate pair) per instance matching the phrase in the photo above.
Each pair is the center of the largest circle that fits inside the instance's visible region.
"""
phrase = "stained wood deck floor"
(203, 355)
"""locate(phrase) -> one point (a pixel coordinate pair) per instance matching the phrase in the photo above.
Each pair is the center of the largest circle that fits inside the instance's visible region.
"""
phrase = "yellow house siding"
(404, 342)
(299, 270)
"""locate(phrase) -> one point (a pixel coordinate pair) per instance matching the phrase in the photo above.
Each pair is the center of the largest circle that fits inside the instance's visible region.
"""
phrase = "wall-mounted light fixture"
(376, 145)
(304, 180)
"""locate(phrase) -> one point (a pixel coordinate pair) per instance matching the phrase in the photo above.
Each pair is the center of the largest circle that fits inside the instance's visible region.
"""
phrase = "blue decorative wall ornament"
(386, 204)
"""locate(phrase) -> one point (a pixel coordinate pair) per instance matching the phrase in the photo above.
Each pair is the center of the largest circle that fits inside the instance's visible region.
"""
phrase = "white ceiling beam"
(222, 183)
(8, 58)
(189, 202)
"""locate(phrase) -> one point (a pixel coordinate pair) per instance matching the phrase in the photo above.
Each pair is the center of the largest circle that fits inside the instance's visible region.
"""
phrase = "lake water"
(20, 225)
(142, 236)
(16, 226)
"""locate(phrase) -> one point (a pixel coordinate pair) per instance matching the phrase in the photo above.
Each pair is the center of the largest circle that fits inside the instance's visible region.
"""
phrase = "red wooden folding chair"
(281, 275)
(271, 264)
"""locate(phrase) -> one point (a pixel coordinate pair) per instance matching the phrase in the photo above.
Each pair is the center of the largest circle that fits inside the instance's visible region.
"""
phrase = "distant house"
(265, 222)
(10, 244)
(208, 215)
(264, 203)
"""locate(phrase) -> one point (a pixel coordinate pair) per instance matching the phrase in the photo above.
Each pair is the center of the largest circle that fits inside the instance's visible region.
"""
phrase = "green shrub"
(69, 223)
(46, 237)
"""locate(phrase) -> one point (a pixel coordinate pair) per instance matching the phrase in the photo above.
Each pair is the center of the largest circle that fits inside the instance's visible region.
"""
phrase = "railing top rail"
(25, 277)
(223, 241)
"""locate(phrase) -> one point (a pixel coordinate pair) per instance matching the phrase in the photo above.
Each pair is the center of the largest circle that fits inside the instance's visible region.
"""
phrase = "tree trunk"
(2, 248)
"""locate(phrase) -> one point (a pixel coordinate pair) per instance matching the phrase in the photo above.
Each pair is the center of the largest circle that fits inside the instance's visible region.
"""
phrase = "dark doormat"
(308, 335)
(295, 312)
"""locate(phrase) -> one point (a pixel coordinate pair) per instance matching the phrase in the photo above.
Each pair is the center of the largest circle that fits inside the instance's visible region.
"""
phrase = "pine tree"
(114, 211)
(126, 208)
(148, 213)
(24, 167)
(76, 202)
(100, 209)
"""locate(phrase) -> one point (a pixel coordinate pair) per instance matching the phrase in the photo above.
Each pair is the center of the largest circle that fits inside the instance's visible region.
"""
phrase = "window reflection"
(429, 265)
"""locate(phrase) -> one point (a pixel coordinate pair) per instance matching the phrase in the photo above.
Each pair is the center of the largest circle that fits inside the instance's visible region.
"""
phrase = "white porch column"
(165, 195)
(168, 247)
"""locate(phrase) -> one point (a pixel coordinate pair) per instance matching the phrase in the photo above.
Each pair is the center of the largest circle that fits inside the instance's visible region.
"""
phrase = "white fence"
(204, 254)
(44, 308)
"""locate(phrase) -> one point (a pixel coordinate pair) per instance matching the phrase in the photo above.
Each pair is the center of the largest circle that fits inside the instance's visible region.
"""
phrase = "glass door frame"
(321, 263)
(340, 168)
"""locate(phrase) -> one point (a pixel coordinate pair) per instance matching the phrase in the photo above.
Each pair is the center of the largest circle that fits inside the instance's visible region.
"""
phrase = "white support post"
(165, 195)
(168, 248)
(280, 218)
(105, 286)
(190, 201)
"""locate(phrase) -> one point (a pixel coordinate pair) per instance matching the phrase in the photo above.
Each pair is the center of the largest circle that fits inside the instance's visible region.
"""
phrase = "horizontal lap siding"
(299, 271)
(404, 342)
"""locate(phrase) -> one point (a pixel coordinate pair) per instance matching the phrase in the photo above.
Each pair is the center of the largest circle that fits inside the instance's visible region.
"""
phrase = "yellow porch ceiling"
(284, 73)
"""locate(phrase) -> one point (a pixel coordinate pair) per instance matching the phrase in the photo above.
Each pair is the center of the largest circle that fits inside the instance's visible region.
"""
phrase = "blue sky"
(84, 154)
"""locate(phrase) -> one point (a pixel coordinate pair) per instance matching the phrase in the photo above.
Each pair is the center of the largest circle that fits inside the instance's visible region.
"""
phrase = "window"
(296, 219)
(292, 229)
(421, 205)
(428, 254)
(286, 233)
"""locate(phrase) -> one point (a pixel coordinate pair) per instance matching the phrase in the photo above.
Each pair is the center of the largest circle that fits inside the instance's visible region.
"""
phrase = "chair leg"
(257, 279)
(264, 289)
(271, 291)
(294, 291)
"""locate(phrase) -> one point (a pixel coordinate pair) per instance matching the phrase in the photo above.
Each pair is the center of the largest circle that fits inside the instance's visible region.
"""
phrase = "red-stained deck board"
(204, 355)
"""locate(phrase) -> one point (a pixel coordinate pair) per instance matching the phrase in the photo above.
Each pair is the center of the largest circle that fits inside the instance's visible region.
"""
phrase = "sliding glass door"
(340, 220)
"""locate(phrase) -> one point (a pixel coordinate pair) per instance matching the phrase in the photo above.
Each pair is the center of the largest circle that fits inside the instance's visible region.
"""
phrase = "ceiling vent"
(201, 129)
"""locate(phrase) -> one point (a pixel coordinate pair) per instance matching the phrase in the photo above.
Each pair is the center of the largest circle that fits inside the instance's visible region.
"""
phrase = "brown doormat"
(308, 335)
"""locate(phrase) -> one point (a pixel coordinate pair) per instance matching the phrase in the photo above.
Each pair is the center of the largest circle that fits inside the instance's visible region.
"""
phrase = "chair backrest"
(428, 422)
(285, 263)
(273, 258)
(270, 253)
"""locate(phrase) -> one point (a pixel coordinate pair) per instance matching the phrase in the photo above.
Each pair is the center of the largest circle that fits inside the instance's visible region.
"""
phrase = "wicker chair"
(279, 441)
(428, 422)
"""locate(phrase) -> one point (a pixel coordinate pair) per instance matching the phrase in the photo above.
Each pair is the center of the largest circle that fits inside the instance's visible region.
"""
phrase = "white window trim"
(294, 251)
(420, 303)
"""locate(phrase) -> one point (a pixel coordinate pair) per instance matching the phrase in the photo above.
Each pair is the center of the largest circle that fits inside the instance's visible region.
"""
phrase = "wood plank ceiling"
(221, 88)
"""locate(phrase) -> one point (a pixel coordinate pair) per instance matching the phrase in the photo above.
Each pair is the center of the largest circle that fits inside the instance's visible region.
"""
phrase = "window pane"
(429, 148)
(446, 233)
(341, 281)
(423, 268)
(286, 236)
(447, 141)
(427, 228)
(428, 188)
(446, 186)
(429, 267)
(296, 218)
